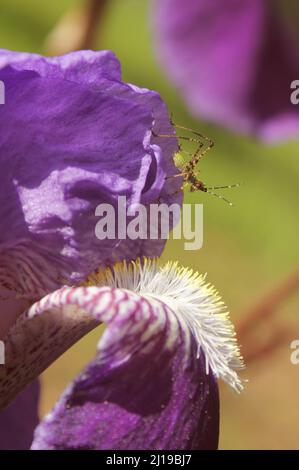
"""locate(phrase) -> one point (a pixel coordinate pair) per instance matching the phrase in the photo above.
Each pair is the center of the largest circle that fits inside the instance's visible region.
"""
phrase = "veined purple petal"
(146, 388)
(19, 419)
(74, 136)
(234, 62)
(167, 331)
(10, 309)
(83, 67)
(152, 384)
(57, 321)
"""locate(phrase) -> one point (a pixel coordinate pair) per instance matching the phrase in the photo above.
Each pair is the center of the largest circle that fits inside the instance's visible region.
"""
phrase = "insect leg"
(220, 197)
(229, 186)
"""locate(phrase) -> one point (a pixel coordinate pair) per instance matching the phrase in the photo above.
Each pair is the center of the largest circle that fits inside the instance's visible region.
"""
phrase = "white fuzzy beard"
(194, 302)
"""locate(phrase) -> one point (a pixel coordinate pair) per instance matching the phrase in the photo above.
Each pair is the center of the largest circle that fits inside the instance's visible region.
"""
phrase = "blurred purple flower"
(73, 136)
(233, 61)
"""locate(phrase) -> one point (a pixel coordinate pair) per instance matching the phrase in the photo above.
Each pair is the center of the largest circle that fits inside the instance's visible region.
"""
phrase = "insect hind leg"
(228, 186)
(219, 197)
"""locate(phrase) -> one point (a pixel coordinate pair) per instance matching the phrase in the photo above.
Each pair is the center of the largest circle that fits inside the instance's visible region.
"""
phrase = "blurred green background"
(247, 248)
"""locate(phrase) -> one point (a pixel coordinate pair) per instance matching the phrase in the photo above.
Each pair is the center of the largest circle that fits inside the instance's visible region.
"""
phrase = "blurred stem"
(95, 10)
(77, 29)
(253, 352)
(268, 304)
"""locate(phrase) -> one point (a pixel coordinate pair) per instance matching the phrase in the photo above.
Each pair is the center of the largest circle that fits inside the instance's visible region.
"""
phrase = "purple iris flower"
(233, 61)
(73, 135)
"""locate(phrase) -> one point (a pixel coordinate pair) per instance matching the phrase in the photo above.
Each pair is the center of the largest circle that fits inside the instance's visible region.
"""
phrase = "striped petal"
(152, 384)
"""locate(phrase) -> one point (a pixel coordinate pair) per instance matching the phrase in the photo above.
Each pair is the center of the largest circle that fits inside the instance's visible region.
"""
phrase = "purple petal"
(74, 136)
(19, 419)
(234, 62)
(146, 389)
(83, 67)
(10, 309)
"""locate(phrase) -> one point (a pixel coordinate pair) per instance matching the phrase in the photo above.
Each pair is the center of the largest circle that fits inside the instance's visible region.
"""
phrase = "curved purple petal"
(146, 388)
(234, 62)
(19, 419)
(168, 338)
(74, 136)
